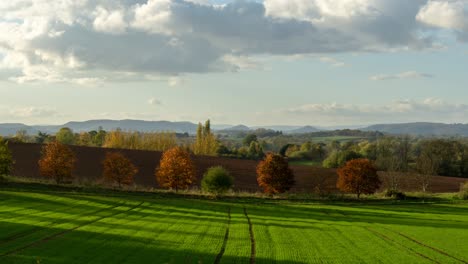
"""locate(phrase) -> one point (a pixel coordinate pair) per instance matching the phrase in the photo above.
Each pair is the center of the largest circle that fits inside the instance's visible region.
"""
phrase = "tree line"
(405, 154)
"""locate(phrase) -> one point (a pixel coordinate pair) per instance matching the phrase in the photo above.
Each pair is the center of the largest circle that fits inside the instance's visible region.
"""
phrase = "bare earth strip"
(226, 237)
(252, 238)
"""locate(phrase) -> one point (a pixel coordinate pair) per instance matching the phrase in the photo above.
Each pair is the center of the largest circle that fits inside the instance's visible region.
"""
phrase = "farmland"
(57, 225)
(89, 169)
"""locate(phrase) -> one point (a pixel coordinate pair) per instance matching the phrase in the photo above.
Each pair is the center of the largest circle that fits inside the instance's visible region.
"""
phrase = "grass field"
(47, 226)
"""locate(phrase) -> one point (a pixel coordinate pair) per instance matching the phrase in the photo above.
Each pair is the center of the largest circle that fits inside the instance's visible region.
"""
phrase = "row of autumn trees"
(177, 171)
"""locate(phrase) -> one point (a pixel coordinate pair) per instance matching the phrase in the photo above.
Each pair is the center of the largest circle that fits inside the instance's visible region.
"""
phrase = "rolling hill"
(421, 129)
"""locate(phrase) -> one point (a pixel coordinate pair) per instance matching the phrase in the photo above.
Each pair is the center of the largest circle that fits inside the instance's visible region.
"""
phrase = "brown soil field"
(89, 168)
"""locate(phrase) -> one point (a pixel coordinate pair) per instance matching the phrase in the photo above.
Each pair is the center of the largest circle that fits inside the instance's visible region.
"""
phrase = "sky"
(271, 62)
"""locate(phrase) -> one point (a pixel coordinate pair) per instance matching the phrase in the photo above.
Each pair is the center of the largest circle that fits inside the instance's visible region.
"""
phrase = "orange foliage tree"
(274, 174)
(117, 168)
(358, 176)
(57, 162)
(176, 170)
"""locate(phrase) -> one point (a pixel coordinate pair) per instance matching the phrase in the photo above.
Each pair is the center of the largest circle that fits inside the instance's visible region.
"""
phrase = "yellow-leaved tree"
(176, 170)
(57, 162)
(205, 143)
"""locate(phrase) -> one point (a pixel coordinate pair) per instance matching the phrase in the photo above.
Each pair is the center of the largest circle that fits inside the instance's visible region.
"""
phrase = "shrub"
(274, 174)
(57, 162)
(217, 180)
(176, 170)
(464, 191)
(118, 169)
(395, 194)
(358, 176)
(6, 159)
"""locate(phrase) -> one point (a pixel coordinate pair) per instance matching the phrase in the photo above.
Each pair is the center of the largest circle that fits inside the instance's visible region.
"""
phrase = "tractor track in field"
(37, 229)
(426, 246)
(388, 239)
(252, 238)
(53, 236)
(226, 237)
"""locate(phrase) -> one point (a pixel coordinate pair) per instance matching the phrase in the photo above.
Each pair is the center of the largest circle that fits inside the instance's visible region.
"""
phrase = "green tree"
(338, 159)
(255, 151)
(42, 138)
(247, 141)
(307, 146)
(65, 136)
(6, 159)
(217, 180)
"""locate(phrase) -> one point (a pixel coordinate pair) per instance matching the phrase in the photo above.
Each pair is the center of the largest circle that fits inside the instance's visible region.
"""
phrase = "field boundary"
(252, 238)
(53, 236)
(226, 238)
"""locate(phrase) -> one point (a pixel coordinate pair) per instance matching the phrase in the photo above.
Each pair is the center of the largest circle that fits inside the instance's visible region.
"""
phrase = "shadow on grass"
(166, 246)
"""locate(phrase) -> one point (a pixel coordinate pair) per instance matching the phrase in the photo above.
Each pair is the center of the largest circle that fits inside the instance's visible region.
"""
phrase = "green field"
(39, 226)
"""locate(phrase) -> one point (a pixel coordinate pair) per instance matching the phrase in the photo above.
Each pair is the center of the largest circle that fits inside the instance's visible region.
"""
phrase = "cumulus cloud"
(17, 113)
(111, 22)
(72, 41)
(32, 111)
(399, 76)
(430, 109)
(332, 61)
(154, 101)
(444, 14)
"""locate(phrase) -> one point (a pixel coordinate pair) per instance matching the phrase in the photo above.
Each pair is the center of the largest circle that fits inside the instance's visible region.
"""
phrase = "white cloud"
(32, 111)
(154, 101)
(430, 109)
(241, 62)
(174, 81)
(45, 40)
(444, 14)
(109, 21)
(153, 16)
(399, 76)
(332, 61)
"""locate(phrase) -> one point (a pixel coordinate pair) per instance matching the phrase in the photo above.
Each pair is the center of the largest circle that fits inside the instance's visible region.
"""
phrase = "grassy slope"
(74, 227)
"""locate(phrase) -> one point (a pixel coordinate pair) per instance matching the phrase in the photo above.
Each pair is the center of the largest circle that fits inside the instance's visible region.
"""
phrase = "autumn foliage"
(57, 162)
(358, 176)
(176, 170)
(118, 169)
(274, 174)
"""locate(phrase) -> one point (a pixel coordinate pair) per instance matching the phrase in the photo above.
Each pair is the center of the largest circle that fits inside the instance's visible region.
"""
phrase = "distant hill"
(421, 128)
(237, 128)
(130, 125)
(11, 129)
(303, 130)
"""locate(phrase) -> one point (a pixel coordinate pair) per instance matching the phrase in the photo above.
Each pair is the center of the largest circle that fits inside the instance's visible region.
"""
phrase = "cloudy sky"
(270, 62)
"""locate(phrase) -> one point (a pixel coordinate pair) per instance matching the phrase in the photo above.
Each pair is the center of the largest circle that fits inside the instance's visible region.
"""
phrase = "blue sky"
(297, 62)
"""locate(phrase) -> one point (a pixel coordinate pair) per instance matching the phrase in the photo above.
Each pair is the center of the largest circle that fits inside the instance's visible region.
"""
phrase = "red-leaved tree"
(274, 174)
(118, 169)
(358, 176)
(57, 162)
(176, 170)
